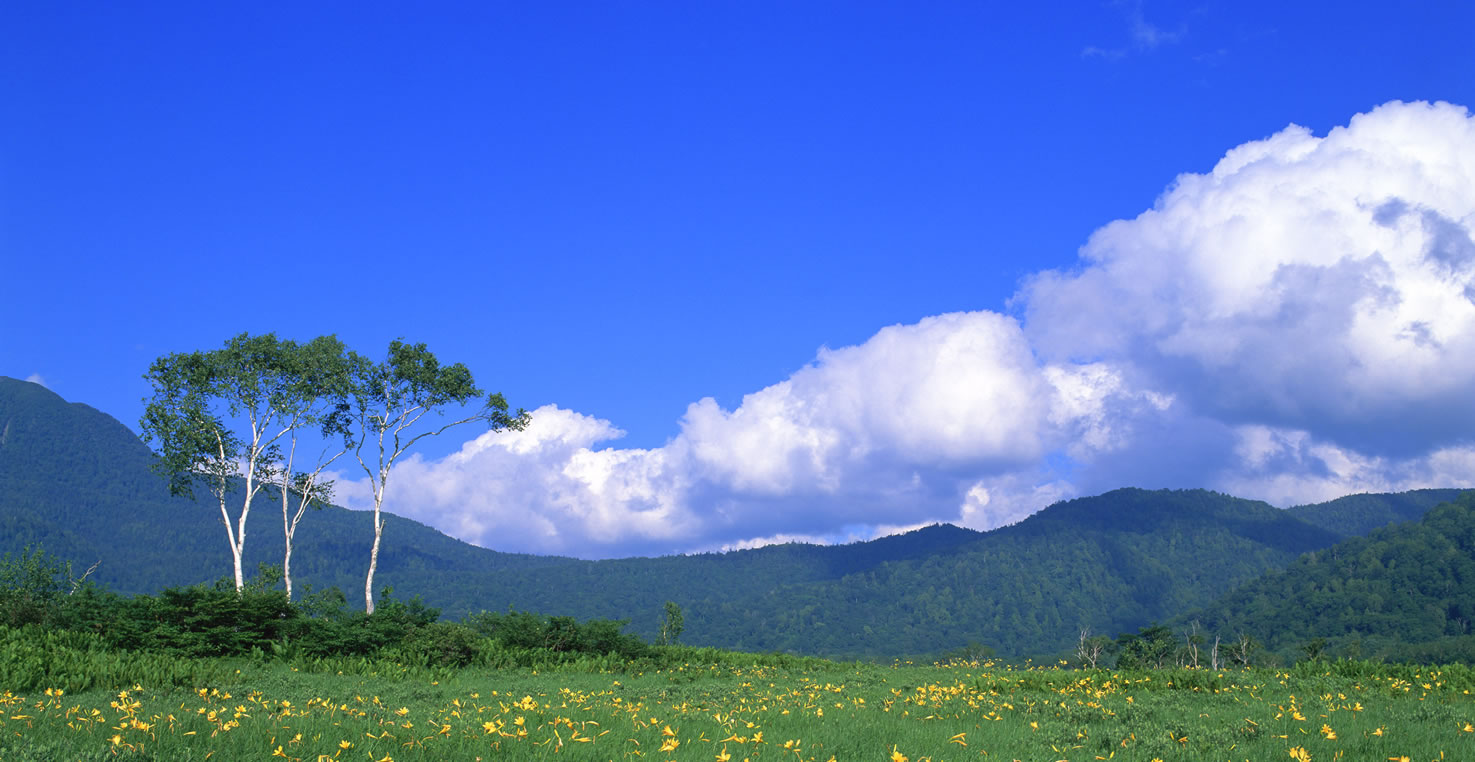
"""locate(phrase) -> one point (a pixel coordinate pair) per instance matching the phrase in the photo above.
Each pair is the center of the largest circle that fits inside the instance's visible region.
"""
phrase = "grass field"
(818, 712)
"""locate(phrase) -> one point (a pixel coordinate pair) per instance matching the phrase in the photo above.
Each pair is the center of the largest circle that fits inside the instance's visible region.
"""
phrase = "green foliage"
(85, 627)
(32, 586)
(440, 644)
(1314, 649)
(1357, 515)
(521, 630)
(1391, 595)
(972, 652)
(1113, 563)
(195, 444)
(390, 398)
(1152, 647)
(412, 378)
(33, 658)
(278, 388)
(672, 623)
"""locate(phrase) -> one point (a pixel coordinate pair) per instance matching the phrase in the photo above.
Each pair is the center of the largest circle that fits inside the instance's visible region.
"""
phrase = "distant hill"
(78, 482)
(1405, 591)
(1112, 563)
(1356, 515)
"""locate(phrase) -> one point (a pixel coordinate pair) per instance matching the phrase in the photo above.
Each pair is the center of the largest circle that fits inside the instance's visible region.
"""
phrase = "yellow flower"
(279, 752)
(402, 711)
(724, 756)
(897, 756)
(345, 745)
(670, 744)
(1299, 754)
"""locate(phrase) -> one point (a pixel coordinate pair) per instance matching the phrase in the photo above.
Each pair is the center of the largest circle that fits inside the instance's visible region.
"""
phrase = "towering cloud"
(895, 431)
(1295, 324)
(1322, 284)
(1310, 298)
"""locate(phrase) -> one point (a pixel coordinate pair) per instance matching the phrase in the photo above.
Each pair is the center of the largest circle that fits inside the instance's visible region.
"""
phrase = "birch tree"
(316, 396)
(392, 398)
(196, 397)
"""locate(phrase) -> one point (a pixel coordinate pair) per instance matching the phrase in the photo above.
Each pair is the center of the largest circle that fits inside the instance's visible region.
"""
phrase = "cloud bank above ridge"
(1296, 324)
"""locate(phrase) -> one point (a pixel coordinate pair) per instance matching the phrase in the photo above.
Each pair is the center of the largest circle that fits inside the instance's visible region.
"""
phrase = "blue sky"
(624, 209)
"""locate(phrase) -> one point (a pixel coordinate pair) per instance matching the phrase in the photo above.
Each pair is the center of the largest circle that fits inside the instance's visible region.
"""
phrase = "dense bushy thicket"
(40, 594)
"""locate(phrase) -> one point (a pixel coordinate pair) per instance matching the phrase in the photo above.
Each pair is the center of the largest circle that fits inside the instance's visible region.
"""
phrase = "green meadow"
(740, 707)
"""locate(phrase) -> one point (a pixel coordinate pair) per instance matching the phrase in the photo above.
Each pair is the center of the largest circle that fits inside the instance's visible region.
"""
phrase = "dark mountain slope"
(1356, 515)
(1380, 595)
(1113, 563)
(77, 481)
(637, 588)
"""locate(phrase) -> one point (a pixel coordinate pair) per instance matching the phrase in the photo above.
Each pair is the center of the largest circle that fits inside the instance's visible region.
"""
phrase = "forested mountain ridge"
(1356, 515)
(1406, 590)
(1113, 563)
(78, 482)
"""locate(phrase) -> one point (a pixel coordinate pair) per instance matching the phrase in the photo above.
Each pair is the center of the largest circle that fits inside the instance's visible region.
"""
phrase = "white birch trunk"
(373, 562)
(235, 548)
(287, 568)
(289, 526)
(378, 535)
(387, 421)
(222, 488)
(240, 549)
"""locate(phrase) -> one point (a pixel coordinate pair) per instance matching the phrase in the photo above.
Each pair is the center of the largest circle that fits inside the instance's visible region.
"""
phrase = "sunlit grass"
(844, 712)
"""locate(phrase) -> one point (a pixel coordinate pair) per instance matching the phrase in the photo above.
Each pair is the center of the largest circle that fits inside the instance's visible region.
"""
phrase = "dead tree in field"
(1089, 649)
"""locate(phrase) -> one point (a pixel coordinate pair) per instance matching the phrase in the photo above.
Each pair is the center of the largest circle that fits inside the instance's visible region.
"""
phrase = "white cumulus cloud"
(1296, 324)
(889, 434)
(1314, 283)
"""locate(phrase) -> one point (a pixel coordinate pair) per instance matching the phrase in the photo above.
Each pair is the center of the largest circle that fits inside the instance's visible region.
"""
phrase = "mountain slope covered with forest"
(1405, 591)
(77, 482)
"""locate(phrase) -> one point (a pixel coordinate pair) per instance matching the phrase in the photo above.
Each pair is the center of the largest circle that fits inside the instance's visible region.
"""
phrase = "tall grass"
(733, 705)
